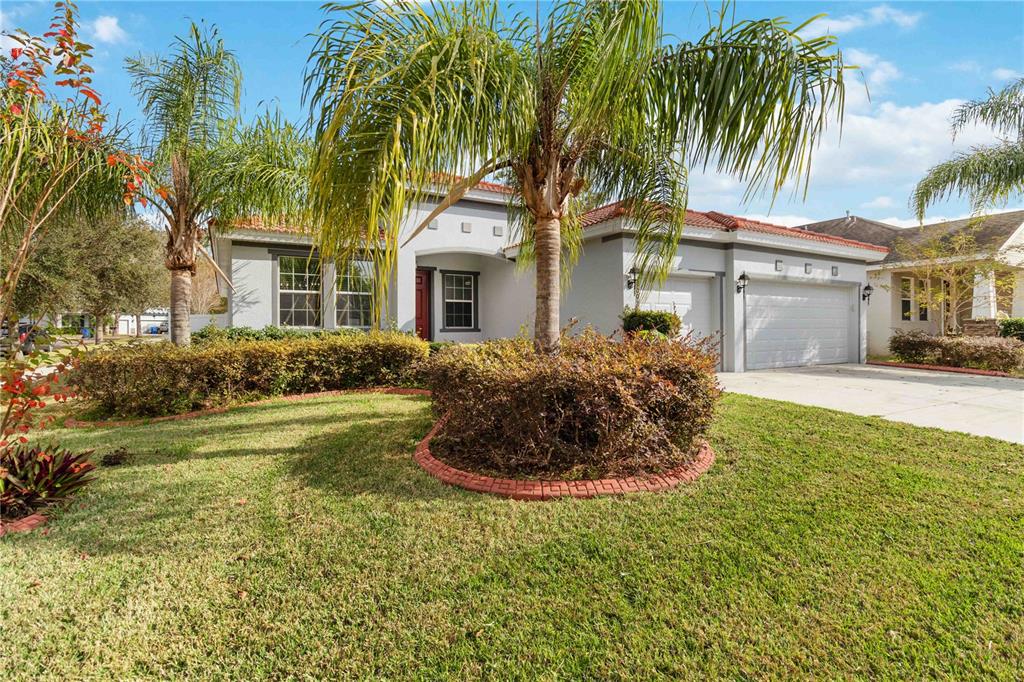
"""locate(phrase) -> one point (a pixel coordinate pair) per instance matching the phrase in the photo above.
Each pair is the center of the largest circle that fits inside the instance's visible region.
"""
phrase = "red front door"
(424, 329)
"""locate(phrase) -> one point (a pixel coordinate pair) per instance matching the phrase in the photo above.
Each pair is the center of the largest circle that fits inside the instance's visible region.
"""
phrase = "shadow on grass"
(370, 457)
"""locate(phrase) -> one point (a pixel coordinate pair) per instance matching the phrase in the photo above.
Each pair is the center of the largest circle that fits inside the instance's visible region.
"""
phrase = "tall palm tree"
(588, 103)
(210, 168)
(988, 174)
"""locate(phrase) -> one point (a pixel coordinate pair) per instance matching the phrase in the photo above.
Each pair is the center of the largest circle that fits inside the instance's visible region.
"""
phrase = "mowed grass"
(300, 540)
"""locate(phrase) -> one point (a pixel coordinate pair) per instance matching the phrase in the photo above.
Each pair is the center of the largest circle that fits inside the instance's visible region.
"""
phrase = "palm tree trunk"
(548, 239)
(181, 307)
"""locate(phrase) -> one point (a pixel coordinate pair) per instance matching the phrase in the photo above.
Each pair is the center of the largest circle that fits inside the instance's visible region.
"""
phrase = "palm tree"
(210, 169)
(986, 174)
(589, 103)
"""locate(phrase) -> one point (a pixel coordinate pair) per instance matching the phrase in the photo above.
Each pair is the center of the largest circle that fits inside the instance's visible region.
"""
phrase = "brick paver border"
(942, 368)
(519, 489)
(22, 525)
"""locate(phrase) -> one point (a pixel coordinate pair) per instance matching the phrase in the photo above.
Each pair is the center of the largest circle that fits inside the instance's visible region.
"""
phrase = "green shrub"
(982, 352)
(32, 477)
(214, 334)
(914, 346)
(661, 321)
(977, 352)
(150, 379)
(599, 407)
(1012, 327)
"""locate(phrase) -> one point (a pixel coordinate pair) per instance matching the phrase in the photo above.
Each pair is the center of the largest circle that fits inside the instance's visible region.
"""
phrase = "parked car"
(164, 328)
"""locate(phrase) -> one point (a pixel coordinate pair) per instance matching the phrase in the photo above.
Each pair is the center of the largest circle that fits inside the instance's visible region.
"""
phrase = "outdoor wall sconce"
(631, 278)
(866, 295)
(741, 283)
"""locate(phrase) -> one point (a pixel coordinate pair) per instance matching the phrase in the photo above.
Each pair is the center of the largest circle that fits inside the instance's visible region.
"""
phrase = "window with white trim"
(459, 300)
(906, 297)
(922, 300)
(354, 294)
(298, 287)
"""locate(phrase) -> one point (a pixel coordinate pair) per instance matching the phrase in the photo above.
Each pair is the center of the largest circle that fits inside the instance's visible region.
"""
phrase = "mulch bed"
(520, 489)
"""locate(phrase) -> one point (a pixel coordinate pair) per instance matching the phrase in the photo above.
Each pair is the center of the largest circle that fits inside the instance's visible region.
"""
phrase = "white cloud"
(107, 29)
(966, 66)
(891, 146)
(877, 72)
(1006, 74)
(879, 202)
(875, 16)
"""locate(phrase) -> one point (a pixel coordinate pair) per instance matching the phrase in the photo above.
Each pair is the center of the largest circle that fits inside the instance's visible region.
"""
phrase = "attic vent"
(467, 227)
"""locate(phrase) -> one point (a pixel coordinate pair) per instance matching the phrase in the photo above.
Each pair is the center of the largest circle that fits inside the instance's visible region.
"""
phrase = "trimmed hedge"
(663, 322)
(153, 379)
(599, 407)
(214, 334)
(978, 352)
(1012, 327)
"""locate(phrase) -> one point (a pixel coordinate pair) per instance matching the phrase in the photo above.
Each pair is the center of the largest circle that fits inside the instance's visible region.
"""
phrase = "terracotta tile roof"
(258, 225)
(729, 223)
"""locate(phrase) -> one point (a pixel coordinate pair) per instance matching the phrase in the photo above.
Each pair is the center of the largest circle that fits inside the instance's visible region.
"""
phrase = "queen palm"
(210, 168)
(987, 174)
(593, 101)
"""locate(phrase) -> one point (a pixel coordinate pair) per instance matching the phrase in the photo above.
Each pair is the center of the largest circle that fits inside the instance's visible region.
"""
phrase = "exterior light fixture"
(631, 278)
(741, 283)
(866, 294)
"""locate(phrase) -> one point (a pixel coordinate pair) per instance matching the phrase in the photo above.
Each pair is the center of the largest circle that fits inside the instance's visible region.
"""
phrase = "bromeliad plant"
(589, 103)
(35, 475)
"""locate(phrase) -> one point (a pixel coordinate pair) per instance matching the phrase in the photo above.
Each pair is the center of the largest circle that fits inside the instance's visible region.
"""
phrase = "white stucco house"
(773, 296)
(895, 300)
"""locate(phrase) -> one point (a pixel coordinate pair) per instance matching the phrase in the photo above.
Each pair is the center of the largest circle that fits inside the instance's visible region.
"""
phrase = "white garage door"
(690, 298)
(789, 325)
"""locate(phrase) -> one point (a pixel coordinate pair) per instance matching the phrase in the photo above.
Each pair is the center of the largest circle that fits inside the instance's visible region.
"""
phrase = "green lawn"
(301, 540)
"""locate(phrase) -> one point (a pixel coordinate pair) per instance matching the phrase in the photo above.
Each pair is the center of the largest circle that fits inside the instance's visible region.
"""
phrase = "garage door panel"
(790, 325)
(690, 299)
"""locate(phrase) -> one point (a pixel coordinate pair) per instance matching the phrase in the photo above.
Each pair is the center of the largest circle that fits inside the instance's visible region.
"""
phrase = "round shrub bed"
(597, 409)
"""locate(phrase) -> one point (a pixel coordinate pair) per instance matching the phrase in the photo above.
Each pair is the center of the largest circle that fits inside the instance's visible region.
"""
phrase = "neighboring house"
(895, 303)
(774, 296)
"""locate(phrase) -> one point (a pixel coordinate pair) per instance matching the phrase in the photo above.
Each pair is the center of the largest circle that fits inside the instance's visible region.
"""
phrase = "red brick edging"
(72, 423)
(519, 489)
(943, 368)
(22, 525)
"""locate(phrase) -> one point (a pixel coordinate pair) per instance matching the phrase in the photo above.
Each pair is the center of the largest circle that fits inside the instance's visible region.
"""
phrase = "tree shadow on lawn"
(371, 457)
(152, 505)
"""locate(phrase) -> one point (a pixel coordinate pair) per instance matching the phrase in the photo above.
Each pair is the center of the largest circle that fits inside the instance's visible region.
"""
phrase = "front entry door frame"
(425, 308)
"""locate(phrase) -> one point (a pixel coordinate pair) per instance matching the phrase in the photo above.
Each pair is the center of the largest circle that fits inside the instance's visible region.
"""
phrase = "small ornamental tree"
(57, 157)
(56, 153)
(950, 266)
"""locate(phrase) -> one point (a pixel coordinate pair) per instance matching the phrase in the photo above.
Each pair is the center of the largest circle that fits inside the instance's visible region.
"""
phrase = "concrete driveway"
(984, 406)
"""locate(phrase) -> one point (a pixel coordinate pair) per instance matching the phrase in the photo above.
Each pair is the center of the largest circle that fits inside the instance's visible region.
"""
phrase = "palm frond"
(985, 175)
(1003, 111)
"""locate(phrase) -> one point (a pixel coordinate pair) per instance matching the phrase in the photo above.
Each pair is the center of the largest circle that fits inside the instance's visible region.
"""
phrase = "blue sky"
(920, 60)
